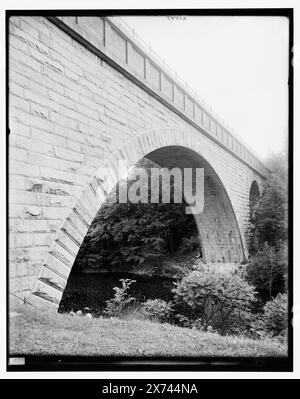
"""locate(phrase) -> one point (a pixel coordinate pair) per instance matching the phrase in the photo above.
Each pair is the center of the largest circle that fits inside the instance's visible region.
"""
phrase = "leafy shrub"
(267, 270)
(276, 315)
(157, 309)
(183, 321)
(209, 293)
(188, 264)
(273, 320)
(121, 300)
(258, 328)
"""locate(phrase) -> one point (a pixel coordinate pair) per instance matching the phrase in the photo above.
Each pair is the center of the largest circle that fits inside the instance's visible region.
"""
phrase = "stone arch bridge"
(83, 94)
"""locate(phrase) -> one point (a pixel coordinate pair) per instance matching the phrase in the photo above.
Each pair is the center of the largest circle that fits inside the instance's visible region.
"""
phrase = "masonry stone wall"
(71, 113)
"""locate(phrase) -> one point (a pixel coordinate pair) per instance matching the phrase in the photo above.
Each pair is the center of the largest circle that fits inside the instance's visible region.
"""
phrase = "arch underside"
(219, 233)
(217, 226)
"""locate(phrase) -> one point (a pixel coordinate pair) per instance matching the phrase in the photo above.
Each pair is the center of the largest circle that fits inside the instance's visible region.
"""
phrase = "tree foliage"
(269, 220)
(132, 234)
(276, 315)
(267, 270)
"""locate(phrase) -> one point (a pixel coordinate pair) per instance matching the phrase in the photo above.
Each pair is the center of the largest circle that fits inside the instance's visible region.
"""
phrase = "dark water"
(93, 289)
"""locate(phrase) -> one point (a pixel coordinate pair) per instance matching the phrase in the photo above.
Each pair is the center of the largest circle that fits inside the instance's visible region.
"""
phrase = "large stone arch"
(218, 227)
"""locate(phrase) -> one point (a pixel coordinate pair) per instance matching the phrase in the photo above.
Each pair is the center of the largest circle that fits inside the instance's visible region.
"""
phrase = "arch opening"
(254, 196)
(216, 229)
(217, 218)
(147, 242)
(167, 149)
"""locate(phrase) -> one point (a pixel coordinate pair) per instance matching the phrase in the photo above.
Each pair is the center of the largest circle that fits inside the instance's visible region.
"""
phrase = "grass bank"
(40, 333)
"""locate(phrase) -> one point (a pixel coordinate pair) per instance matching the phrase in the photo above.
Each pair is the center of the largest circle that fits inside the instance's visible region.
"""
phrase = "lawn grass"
(39, 333)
